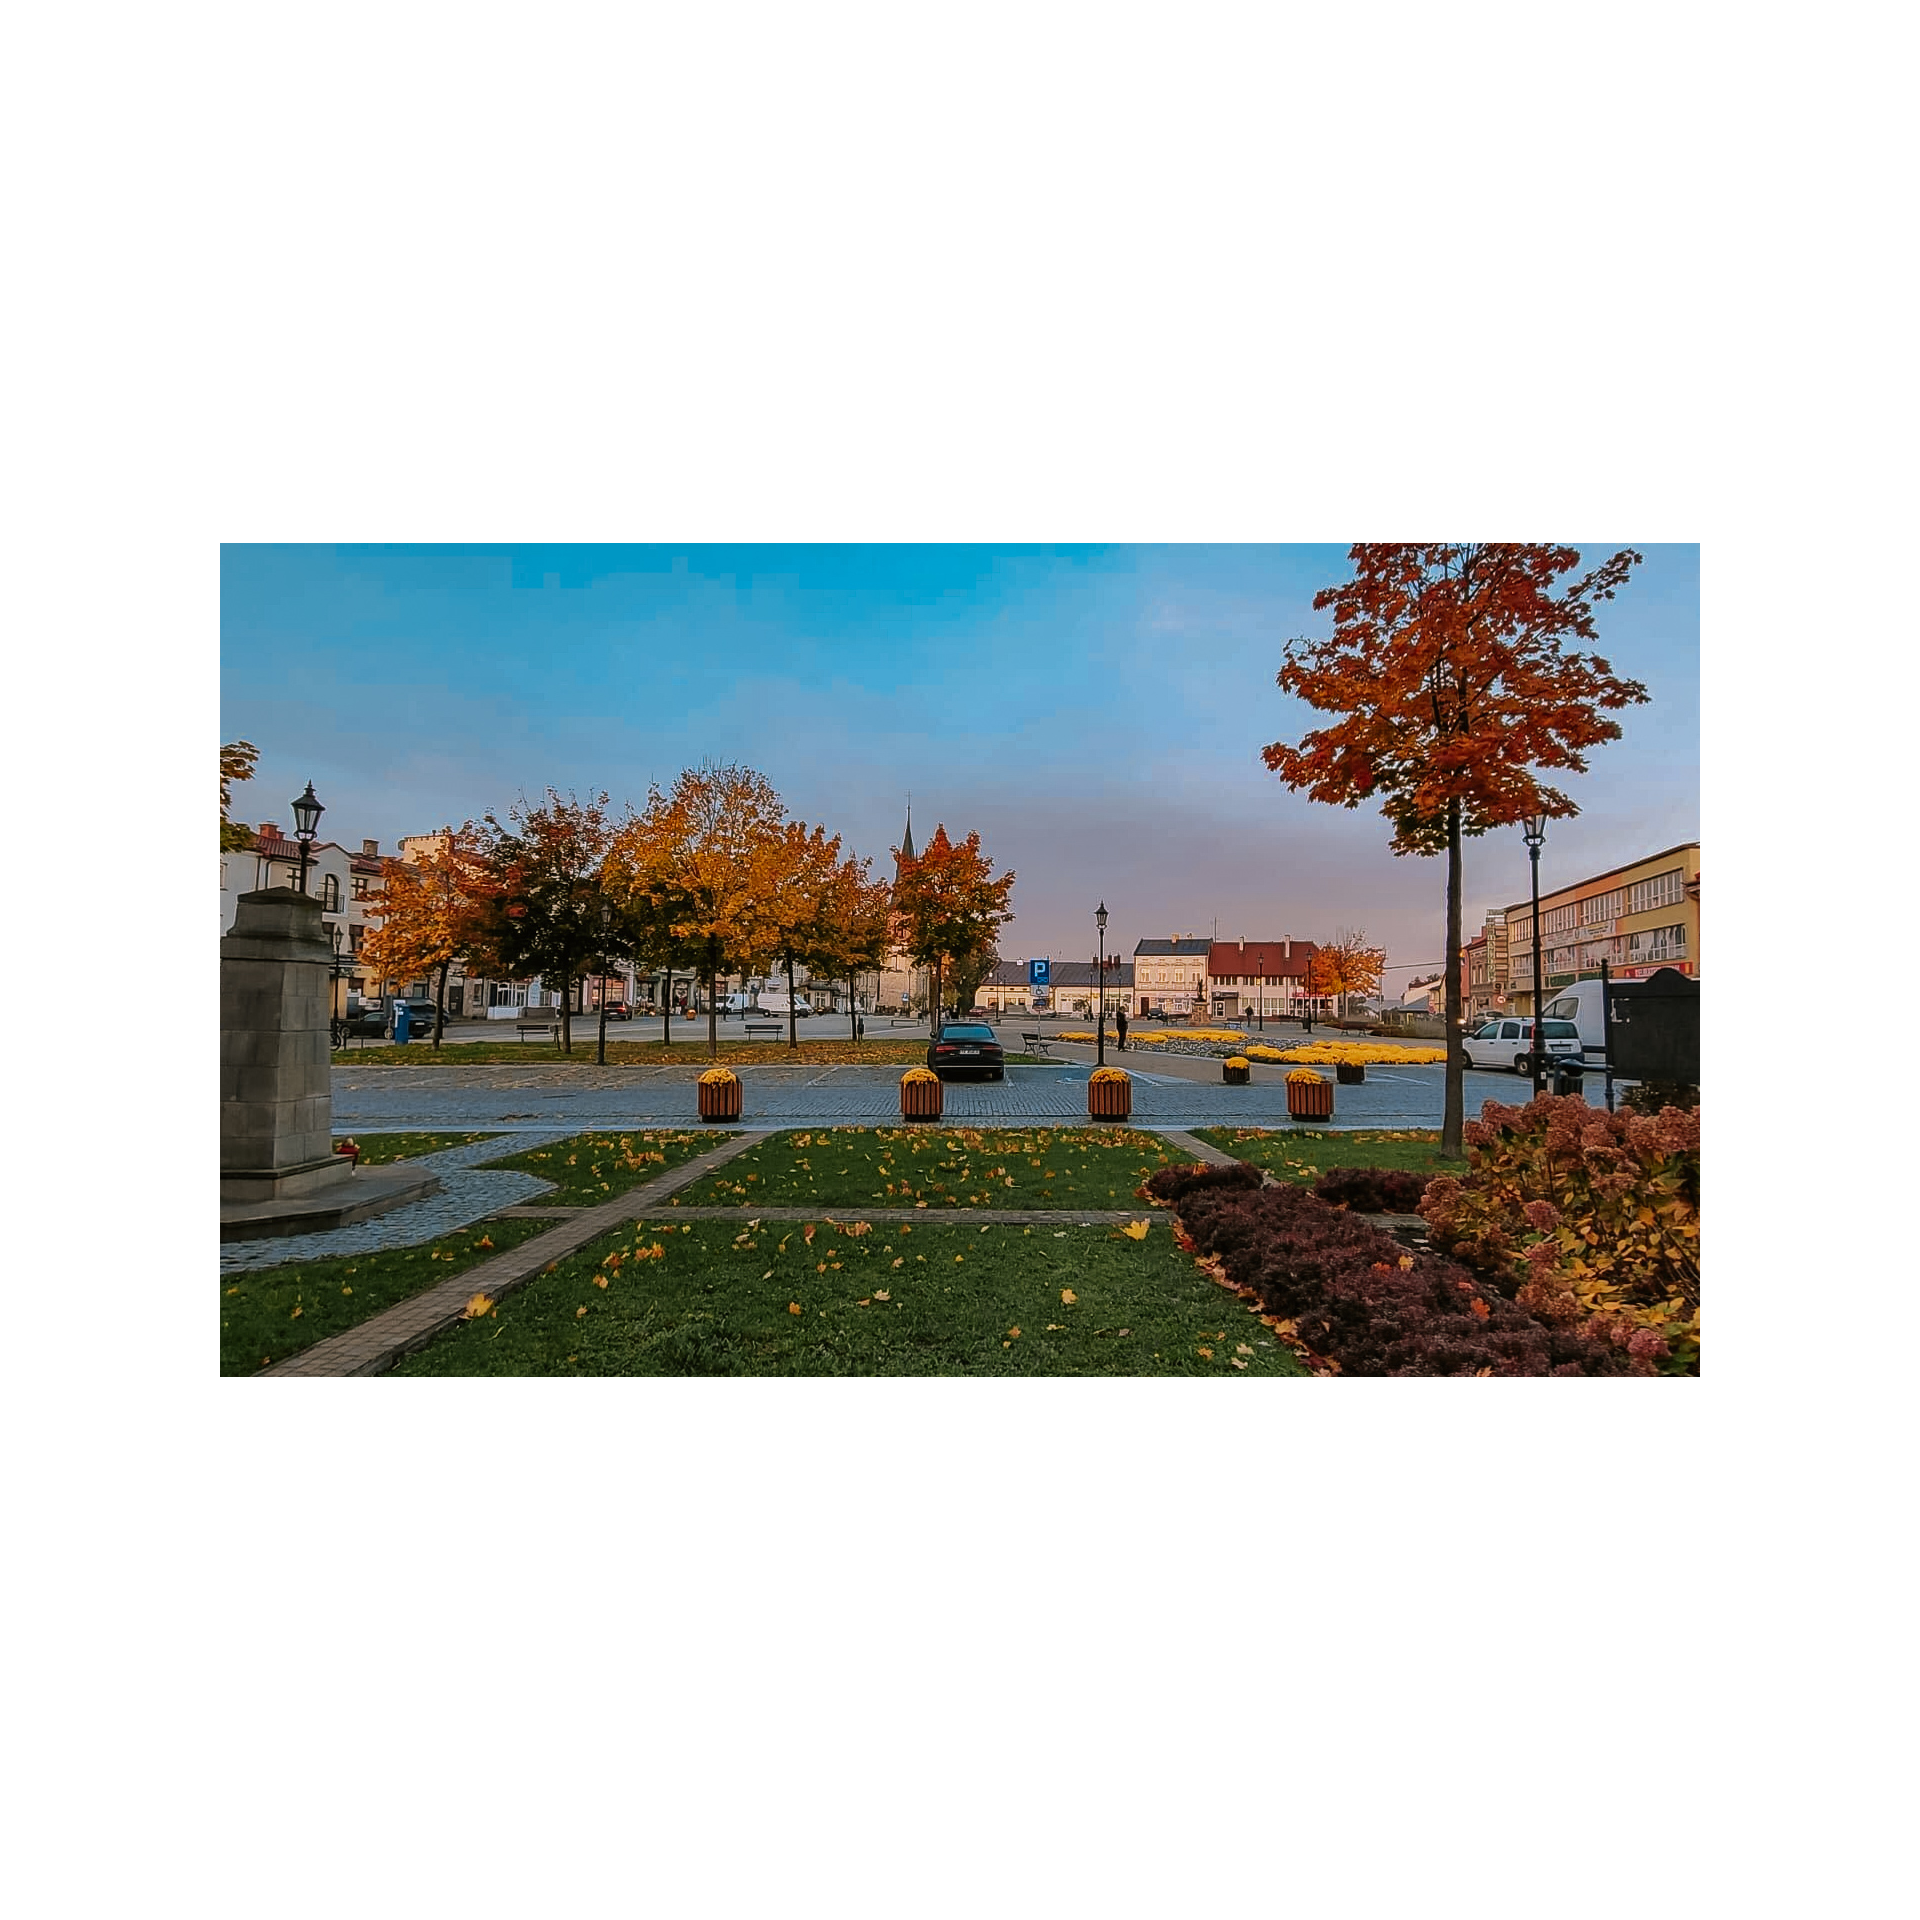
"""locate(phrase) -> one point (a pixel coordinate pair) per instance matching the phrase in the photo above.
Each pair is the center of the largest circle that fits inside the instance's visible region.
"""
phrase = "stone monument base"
(351, 1193)
(285, 1183)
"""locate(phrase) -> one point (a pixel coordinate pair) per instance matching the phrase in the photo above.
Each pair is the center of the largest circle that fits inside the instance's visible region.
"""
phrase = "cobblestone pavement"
(577, 1098)
(465, 1196)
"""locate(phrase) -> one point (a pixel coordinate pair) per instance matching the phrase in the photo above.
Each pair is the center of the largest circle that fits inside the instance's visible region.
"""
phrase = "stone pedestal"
(276, 1092)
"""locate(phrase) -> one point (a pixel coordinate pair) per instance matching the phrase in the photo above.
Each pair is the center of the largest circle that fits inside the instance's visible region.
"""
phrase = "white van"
(1581, 1004)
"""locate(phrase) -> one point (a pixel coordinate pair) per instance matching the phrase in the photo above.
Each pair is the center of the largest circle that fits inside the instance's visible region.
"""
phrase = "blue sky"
(1096, 712)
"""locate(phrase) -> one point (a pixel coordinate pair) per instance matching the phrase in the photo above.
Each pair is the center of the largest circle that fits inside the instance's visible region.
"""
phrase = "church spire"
(906, 846)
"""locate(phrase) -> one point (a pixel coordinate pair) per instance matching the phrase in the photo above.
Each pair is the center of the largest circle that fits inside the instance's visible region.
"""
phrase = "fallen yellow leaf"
(1013, 1333)
(1206, 1353)
(1135, 1229)
(600, 1280)
(478, 1307)
(880, 1293)
(1243, 1348)
(1068, 1297)
(793, 1306)
(578, 1312)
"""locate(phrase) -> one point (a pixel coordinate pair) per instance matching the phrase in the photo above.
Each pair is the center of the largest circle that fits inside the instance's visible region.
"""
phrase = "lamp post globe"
(306, 820)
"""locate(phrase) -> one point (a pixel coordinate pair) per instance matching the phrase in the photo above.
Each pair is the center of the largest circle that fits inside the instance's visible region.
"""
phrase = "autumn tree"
(696, 861)
(430, 912)
(852, 933)
(950, 906)
(1452, 672)
(1347, 965)
(236, 764)
(799, 870)
(541, 912)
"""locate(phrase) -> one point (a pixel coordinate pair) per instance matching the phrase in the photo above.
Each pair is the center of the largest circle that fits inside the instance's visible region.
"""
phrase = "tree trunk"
(600, 1052)
(793, 1016)
(1454, 1112)
(666, 1006)
(566, 1015)
(713, 1010)
(440, 1005)
(853, 1012)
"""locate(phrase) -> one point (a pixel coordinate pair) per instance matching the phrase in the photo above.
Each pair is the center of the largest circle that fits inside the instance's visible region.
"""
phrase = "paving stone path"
(467, 1194)
(777, 1097)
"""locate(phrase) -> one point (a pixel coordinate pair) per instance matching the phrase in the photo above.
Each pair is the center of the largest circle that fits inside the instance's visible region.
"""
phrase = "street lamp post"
(606, 927)
(338, 1008)
(1100, 980)
(1260, 1006)
(1536, 833)
(306, 820)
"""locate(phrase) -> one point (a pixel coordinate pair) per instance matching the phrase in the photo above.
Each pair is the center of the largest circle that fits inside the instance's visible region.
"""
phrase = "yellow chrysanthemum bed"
(1366, 1053)
(1106, 1076)
(717, 1076)
(1306, 1077)
(1257, 1052)
(1087, 1037)
(1239, 1060)
(918, 1076)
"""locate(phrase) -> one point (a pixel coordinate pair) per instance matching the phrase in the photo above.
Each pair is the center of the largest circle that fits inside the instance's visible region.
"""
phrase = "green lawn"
(1292, 1154)
(377, 1149)
(939, 1166)
(588, 1168)
(941, 1297)
(267, 1315)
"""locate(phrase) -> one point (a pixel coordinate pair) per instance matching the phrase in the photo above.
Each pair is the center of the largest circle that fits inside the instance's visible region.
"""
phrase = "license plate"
(969, 1053)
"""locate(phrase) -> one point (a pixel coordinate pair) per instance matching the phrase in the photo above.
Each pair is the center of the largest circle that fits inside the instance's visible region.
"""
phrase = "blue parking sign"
(1038, 973)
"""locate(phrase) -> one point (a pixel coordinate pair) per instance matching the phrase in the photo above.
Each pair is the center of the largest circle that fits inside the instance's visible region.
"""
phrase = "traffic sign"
(1039, 973)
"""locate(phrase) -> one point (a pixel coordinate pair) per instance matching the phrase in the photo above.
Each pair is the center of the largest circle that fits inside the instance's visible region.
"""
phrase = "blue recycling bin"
(402, 1024)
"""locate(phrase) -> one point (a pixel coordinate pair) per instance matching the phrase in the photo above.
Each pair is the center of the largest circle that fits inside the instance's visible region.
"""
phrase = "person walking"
(1120, 1026)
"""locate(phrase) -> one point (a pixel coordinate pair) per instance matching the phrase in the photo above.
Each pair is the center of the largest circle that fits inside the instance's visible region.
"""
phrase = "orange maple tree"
(1345, 965)
(949, 905)
(697, 862)
(237, 760)
(428, 913)
(1450, 667)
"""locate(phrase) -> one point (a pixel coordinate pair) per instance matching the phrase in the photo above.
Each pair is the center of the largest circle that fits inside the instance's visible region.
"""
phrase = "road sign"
(1039, 973)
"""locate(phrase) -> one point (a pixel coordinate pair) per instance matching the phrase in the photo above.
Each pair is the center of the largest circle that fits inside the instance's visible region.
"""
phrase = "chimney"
(268, 831)
(371, 848)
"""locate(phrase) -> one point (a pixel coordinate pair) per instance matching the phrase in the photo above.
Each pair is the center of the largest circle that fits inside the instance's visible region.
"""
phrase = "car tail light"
(943, 1049)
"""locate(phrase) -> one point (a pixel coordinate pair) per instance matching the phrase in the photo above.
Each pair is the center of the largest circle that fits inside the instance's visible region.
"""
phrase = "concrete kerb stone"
(374, 1345)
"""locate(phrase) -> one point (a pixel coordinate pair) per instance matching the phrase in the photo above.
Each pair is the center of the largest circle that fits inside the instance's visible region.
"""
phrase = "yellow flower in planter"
(919, 1076)
(1238, 1060)
(717, 1076)
(1107, 1076)
(1306, 1077)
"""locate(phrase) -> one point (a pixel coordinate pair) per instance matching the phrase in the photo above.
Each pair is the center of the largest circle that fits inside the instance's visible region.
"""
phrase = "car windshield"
(966, 1033)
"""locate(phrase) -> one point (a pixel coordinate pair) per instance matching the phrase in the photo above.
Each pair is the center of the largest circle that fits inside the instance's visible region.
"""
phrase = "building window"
(329, 893)
(1662, 891)
(359, 886)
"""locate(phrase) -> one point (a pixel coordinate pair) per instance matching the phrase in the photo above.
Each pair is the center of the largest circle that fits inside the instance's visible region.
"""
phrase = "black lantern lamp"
(306, 821)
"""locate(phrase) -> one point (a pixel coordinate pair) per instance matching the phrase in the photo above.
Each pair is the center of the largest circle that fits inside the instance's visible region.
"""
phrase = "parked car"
(966, 1046)
(1508, 1042)
(617, 1010)
(1580, 1003)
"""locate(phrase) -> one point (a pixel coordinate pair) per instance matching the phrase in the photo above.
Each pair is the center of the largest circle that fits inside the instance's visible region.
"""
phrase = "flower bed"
(1362, 1053)
(1352, 1300)
(1590, 1219)
(1372, 1189)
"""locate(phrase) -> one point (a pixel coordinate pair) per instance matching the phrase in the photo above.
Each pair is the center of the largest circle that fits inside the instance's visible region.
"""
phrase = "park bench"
(1032, 1043)
(545, 1024)
(763, 1026)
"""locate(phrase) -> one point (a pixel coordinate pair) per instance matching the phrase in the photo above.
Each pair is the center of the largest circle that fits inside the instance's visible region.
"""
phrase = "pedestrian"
(1120, 1026)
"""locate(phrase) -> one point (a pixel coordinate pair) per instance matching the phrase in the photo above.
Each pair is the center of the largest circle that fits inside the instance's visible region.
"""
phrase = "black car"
(616, 1010)
(967, 1046)
(376, 1021)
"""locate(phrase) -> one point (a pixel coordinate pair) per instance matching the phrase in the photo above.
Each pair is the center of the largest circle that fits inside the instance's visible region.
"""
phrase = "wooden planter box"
(1308, 1100)
(1235, 1076)
(921, 1099)
(720, 1100)
(1350, 1073)
(1109, 1099)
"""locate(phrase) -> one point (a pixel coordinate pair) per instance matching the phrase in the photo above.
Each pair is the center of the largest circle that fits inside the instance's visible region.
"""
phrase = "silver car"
(1509, 1043)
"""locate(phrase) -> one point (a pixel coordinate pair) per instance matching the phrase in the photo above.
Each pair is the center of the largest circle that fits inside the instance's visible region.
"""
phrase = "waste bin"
(1567, 1076)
